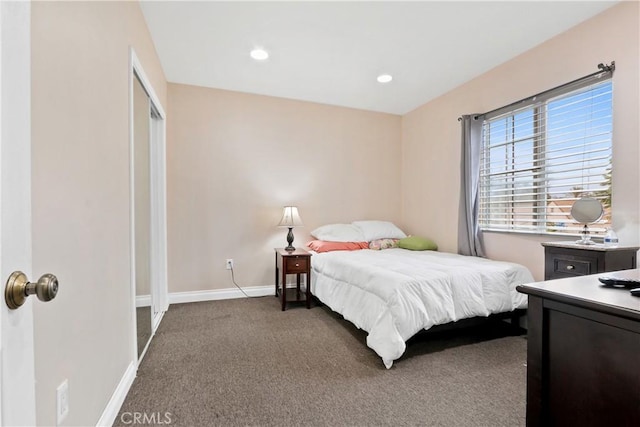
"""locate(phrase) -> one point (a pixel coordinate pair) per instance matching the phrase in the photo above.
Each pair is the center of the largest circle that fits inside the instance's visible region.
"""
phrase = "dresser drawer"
(296, 264)
(573, 267)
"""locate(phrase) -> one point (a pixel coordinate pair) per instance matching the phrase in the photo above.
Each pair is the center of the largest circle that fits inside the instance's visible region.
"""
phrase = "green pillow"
(415, 243)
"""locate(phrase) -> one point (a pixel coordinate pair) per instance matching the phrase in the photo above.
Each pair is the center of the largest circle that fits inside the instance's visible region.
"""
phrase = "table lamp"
(290, 219)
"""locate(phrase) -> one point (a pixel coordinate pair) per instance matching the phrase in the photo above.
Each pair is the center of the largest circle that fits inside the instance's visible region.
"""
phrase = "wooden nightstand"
(296, 262)
(568, 259)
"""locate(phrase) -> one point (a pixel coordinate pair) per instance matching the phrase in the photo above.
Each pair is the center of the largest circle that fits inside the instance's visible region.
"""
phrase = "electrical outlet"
(229, 264)
(62, 401)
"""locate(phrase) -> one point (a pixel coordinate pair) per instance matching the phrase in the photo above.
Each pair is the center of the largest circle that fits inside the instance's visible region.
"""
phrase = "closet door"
(142, 214)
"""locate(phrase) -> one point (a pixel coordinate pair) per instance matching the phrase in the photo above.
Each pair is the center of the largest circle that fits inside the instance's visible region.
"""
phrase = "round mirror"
(587, 210)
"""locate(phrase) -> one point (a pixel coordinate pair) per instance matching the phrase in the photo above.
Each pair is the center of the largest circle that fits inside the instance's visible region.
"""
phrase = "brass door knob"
(19, 288)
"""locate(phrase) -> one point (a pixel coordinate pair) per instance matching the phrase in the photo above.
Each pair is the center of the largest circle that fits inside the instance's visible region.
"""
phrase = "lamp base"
(290, 247)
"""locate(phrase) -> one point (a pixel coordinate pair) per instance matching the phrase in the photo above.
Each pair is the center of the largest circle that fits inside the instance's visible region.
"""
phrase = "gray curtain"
(469, 234)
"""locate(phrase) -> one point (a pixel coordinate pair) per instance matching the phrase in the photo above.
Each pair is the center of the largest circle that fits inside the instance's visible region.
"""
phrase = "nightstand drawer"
(573, 266)
(296, 264)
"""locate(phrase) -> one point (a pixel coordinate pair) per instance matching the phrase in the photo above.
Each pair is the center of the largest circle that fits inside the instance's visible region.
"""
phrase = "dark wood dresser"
(568, 259)
(582, 353)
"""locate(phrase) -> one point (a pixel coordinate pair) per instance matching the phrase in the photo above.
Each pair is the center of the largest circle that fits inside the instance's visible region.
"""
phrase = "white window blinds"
(538, 159)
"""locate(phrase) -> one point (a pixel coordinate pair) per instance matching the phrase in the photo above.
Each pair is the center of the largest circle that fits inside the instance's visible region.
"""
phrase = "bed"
(394, 293)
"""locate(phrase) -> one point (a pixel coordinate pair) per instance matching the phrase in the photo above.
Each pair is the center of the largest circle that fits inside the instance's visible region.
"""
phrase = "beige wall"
(431, 133)
(80, 146)
(235, 159)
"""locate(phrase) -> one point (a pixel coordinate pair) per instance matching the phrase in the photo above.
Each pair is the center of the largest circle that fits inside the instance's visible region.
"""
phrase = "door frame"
(17, 387)
(159, 282)
(159, 275)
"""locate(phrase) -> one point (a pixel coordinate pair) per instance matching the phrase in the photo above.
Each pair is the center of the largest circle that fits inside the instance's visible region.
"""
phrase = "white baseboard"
(117, 399)
(143, 301)
(219, 294)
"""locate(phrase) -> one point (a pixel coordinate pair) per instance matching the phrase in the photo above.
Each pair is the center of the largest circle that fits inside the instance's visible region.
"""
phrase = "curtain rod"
(602, 68)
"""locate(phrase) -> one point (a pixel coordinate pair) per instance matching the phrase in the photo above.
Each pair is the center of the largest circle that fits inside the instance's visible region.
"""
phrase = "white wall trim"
(136, 66)
(117, 398)
(132, 241)
(220, 294)
(143, 301)
(158, 195)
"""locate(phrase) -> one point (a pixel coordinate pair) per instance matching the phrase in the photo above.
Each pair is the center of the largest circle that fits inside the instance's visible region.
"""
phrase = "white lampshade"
(290, 217)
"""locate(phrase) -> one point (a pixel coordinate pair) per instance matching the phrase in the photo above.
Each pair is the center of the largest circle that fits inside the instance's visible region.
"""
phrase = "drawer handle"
(570, 267)
(297, 265)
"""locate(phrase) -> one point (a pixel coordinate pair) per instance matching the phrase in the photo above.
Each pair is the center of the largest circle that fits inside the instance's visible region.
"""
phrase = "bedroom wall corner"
(235, 159)
(80, 190)
(431, 171)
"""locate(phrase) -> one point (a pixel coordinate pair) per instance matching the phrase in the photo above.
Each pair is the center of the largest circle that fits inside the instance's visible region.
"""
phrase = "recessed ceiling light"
(384, 78)
(259, 54)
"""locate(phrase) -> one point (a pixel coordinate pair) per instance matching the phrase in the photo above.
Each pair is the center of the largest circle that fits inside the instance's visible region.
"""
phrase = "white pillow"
(374, 230)
(339, 233)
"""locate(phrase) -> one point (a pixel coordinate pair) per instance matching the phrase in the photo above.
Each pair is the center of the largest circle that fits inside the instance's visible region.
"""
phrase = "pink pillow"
(324, 246)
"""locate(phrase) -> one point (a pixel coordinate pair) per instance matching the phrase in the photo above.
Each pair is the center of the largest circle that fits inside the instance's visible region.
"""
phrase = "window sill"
(597, 238)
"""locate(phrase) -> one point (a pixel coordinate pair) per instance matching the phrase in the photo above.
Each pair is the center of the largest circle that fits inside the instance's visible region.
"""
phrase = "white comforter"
(394, 293)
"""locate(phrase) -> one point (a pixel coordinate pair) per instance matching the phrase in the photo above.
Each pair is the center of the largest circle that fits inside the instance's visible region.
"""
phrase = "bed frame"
(513, 317)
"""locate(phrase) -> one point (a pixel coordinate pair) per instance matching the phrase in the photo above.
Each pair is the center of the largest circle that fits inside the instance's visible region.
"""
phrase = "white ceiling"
(332, 52)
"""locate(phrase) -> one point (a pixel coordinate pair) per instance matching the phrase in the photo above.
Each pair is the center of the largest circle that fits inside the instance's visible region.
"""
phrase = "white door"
(17, 379)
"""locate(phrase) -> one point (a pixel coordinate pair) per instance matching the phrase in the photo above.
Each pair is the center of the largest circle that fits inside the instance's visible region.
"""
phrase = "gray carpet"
(245, 362)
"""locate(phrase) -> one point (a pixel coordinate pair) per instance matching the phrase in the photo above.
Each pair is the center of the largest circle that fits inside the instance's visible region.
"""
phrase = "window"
(539, 158)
